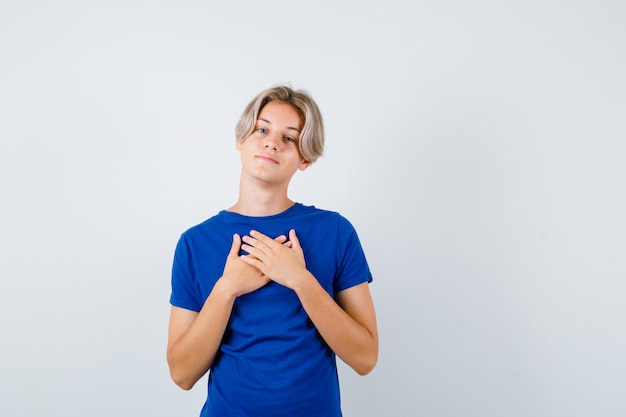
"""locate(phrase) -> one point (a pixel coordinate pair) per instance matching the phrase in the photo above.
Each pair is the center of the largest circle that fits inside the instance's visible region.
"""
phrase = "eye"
(262, 130)
(289, 139)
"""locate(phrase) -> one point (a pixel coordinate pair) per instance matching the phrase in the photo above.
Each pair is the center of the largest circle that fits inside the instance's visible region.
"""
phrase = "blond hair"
(311, 143)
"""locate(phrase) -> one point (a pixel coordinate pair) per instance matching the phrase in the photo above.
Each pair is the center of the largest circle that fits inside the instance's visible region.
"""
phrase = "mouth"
(267, 158)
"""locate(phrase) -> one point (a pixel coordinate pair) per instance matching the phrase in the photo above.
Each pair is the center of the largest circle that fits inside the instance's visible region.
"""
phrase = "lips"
(268, 158)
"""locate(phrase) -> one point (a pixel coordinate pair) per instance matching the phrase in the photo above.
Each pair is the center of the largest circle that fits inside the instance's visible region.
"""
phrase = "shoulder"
(328, 220)
(323, 214)
(209, 232)
(205, 226)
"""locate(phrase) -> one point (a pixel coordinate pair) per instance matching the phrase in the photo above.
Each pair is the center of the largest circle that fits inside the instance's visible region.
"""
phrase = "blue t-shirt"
(272, 361)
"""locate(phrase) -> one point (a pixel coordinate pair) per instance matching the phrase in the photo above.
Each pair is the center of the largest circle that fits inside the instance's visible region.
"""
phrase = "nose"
(273, 141)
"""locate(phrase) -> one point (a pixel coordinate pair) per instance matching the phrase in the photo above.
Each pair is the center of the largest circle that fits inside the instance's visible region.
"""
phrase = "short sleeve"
(352, 265)
(184, 284)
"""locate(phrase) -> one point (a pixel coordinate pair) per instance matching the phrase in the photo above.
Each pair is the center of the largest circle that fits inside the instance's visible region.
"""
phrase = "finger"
(253, 246)
(261, 237)
(253, 262)
(281, 239)
(253, 251)
(294, 239)
(234, 247)
(264, 244)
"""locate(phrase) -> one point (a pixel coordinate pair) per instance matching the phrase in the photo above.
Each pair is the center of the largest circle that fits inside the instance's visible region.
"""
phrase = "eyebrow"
(288, 127)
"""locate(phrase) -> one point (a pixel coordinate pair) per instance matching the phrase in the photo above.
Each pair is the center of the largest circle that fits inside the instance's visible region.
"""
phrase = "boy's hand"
(279, 261)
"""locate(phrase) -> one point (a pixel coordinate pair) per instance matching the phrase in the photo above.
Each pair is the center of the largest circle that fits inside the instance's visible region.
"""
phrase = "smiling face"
(271, 154)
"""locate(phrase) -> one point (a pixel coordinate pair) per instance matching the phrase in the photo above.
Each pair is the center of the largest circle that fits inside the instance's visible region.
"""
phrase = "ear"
(304, 165)
(238, 144)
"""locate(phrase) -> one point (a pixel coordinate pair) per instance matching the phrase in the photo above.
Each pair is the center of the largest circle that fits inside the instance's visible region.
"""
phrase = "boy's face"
(271, 153)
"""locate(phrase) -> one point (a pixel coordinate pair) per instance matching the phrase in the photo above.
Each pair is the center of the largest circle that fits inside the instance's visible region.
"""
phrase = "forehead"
(281, 113)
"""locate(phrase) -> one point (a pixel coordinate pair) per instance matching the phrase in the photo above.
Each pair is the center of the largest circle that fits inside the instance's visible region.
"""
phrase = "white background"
(479, 148)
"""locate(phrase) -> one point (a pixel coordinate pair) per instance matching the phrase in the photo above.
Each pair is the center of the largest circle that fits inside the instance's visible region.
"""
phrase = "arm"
(348, 325)
(194, 338)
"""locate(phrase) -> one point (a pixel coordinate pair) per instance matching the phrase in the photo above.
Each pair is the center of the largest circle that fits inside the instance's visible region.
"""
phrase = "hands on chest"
(280, 260)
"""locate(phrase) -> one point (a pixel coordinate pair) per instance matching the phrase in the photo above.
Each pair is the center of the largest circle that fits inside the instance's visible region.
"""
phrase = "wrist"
(304, 283)
(224, 291)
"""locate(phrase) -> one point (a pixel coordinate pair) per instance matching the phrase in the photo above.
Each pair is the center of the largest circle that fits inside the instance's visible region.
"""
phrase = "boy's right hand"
(238, 277)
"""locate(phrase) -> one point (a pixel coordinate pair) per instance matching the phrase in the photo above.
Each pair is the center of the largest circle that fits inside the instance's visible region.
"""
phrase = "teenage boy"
(267, 292)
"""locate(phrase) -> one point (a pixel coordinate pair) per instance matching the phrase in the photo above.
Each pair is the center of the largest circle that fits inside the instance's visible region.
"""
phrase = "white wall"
(478, 147)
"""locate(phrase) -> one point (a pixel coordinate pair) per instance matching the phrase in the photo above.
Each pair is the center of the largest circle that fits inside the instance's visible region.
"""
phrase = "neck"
(261, 201)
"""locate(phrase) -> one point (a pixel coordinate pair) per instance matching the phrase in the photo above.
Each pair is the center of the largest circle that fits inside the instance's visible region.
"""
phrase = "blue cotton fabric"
(272, 361)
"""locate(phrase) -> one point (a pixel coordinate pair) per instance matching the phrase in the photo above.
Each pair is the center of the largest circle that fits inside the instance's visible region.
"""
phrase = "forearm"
(192, 355)
(354, 340)
(348, 325)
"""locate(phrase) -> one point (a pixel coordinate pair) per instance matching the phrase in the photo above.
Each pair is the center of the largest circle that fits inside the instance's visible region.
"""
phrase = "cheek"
(240, 144)
(247, 143)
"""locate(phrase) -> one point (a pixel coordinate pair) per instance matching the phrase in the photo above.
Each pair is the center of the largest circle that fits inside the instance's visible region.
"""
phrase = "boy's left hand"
(282, 263)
